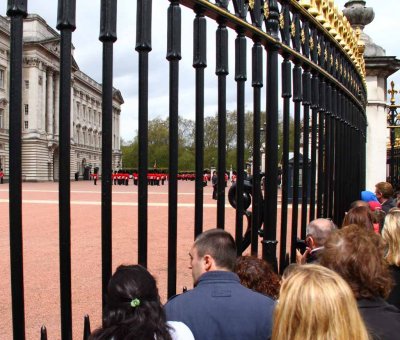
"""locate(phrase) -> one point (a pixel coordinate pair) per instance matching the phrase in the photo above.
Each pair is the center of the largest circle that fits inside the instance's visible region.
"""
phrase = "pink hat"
(373, 205)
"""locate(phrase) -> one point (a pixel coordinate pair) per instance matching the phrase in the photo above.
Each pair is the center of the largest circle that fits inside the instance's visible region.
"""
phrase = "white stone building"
(40, 107)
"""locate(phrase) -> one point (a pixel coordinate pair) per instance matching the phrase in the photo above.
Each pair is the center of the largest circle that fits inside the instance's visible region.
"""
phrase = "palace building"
(40, 107)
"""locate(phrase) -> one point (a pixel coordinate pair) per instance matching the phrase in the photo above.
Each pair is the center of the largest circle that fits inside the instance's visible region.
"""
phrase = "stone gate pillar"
(378, 68)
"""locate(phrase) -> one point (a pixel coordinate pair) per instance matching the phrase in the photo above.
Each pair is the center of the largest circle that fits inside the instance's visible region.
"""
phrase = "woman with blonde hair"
(315, 303)
(391, 234)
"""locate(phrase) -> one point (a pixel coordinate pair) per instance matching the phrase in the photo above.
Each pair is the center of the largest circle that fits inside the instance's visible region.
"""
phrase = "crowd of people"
(345, 286)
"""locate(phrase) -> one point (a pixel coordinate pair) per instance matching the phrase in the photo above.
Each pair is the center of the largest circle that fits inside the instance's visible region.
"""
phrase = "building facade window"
(26, 84)
(26, 125)
(2, 79)
(40, 80)
(26, 109)
(2, 119)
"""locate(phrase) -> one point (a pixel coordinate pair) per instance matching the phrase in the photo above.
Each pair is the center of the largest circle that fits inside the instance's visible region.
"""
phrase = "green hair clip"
(135, 303)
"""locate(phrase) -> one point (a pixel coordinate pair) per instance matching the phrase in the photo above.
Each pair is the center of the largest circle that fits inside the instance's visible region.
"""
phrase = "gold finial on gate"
(305, 3)
(392, 92)
(320, 16)
(313, 8)
(325, 12)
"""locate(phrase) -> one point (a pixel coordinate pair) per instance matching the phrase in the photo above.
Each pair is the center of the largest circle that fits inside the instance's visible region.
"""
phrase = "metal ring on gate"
(247, 191)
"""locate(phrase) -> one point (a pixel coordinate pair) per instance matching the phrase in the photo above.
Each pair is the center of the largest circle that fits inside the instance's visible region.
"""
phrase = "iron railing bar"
(257, 83)
(108, 23)
(221, 72)
(271, 142)
(333, 149)
(240, 78)
(314, 125)
(66, 24)
(17, 11)
(143, 47)
(337, 152)
(297, 97)
(306, 139)
(199, 63)
(173, 56)
(343, 158)
(286, 94)
(327, 151)
(321, 149)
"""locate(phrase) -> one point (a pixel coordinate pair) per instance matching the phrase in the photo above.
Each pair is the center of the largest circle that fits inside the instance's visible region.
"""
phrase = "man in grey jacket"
(219, 307)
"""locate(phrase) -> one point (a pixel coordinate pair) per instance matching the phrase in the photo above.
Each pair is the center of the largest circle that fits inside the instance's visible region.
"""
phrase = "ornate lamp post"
(393, 120)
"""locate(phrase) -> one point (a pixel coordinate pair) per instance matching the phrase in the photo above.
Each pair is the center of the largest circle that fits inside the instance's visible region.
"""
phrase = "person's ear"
(207, 262)
(311, 242)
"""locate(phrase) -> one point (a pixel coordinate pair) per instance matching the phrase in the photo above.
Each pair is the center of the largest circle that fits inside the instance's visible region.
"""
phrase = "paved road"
(41, 264)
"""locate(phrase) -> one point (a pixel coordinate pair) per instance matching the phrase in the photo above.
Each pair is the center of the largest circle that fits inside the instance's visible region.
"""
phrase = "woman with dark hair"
(357, 255)
(258, 275)
(360, 216)
(134, 311)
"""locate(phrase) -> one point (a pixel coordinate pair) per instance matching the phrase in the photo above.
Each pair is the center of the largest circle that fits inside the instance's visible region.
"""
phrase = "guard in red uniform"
(1, 176)
(95, 176)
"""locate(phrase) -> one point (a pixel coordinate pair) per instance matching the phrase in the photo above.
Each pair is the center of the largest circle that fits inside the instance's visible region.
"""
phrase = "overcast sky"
(88, 54)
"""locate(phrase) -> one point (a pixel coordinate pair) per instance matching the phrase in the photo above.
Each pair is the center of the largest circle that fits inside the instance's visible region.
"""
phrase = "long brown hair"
(362, 216)
(357, 255)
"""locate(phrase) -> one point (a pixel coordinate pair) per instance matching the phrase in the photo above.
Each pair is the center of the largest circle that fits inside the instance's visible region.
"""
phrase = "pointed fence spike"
(43, 333)
(86, 328)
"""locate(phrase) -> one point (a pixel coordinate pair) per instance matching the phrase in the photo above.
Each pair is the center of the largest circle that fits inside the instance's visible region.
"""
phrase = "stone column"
(56, 104)
(378, 68)
(72, 109)
(50, 102)
(41, 117)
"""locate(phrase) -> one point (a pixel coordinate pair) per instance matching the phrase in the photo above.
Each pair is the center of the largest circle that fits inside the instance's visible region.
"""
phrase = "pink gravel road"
(41, 248)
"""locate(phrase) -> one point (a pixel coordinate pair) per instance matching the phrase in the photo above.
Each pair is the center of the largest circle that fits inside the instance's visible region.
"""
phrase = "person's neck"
(383, 200)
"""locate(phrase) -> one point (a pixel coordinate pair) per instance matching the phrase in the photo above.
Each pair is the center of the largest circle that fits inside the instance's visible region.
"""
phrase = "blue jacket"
(220, 308)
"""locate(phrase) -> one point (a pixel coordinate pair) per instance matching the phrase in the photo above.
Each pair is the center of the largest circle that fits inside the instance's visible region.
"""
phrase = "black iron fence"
(313, 72)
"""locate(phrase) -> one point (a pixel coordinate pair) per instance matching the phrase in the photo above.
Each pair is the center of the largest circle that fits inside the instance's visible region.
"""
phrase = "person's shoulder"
(181, 298)
(256, 296)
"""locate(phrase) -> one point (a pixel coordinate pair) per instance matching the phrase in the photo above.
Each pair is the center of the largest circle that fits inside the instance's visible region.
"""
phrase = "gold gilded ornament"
(392, 92)
(266, 10)
(292, 29)
(281, 21)
(303, 36)
(251, 4)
